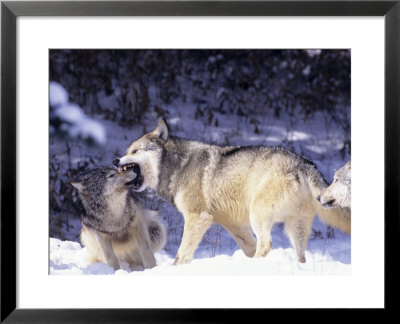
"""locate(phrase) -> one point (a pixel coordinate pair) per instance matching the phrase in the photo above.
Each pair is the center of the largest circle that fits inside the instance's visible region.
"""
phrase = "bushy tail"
(338, 217)
(157, 232)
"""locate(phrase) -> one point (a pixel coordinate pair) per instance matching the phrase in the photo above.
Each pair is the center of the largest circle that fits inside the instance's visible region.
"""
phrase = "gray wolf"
(115, 226)
(339, 192)
(236, 187)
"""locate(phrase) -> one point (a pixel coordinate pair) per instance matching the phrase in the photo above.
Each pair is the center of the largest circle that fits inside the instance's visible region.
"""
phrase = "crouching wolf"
(339, 192)
(115, 226)
(233, 186)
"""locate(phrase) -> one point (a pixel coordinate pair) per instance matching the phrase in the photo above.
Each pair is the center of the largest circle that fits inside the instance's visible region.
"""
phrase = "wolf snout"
(328, 203)
(116, 162)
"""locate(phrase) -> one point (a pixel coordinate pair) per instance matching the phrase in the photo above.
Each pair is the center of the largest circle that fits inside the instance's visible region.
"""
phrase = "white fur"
(147, 161)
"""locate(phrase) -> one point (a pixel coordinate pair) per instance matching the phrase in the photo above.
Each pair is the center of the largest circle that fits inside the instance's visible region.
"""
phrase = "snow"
(74, 121)
(212, 59)
(69, 258)
(220, 93)
(58, 95)
(71, 113)
(89, 128)
(324, 256)
(307, 70)
(313, 52)
(174, 121)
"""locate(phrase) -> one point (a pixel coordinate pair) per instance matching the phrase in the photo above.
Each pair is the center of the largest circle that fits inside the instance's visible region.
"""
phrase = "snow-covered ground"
(328, 257)
(324, 256)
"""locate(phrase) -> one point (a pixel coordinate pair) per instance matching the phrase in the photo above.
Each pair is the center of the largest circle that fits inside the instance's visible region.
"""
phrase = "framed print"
(144, 126)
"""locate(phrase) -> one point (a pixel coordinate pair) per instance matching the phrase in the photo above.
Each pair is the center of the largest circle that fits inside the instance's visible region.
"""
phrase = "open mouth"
(125, 167)
(138, 181)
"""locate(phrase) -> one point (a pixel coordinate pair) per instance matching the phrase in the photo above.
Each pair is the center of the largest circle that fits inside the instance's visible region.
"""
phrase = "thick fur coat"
(115, 225)
(244, 189)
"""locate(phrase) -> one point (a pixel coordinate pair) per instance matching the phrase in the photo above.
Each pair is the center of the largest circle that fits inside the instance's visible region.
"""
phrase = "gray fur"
(91, 202)
(115, 226)
(339, 192)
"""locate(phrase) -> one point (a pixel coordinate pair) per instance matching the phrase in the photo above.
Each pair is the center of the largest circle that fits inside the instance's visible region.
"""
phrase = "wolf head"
(339, 192)
(100, 192)
(145, 152)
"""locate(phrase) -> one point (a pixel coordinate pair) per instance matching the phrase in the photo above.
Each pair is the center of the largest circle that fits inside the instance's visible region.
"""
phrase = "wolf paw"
(180, 260)
(302, 259)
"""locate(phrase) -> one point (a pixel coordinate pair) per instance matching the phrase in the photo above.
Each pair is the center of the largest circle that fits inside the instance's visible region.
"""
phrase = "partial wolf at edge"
(339, 191)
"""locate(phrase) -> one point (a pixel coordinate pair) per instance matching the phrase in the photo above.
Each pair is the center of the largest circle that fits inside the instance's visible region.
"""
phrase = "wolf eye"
(133, 151)
(111, 175)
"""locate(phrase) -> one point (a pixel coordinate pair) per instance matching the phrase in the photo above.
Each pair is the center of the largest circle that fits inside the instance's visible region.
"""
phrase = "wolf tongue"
(119, 169)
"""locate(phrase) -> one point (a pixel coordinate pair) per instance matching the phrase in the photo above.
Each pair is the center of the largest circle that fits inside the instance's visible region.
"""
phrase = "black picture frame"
(10, 10)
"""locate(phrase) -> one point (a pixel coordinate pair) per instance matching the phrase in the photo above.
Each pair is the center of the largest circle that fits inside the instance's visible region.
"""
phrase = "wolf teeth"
(127, 167)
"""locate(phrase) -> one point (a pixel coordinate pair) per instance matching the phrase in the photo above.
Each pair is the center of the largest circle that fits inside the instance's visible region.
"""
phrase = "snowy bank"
(69, 258)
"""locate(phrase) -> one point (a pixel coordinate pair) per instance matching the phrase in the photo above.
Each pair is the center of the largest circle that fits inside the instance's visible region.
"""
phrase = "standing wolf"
(339, 192)
(115, 226)
(234, 187)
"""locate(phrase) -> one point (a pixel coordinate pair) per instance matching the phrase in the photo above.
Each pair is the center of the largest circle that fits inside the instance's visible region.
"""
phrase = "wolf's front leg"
(149, 261)
(146, 253)
(195, 227)
(105, 244)
(243, 237)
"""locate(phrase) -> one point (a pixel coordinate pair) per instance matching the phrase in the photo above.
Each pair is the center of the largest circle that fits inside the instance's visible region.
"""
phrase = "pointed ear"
(161, 131)
(78, 185)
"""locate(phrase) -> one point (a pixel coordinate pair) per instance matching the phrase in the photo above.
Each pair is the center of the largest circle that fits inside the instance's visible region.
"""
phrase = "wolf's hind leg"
(149, 261)
(262, 229)
(144, 243)
(298, 230)
(262, 213)
(195, 227)
(243, 237)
